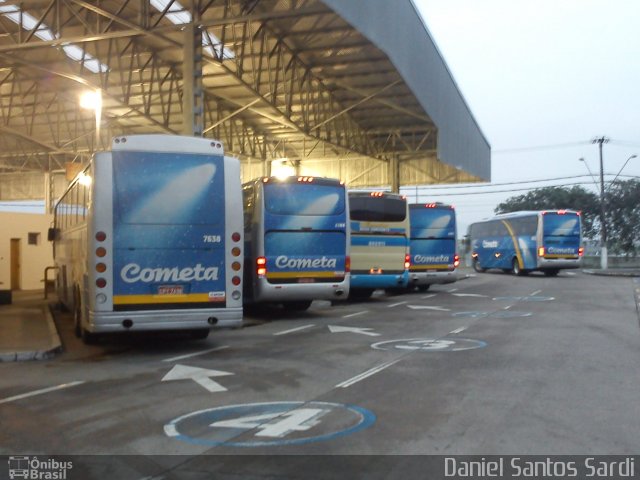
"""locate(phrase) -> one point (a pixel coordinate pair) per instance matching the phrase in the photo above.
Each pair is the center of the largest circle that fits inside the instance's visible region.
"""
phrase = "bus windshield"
(377, 209)
(304, 199)
(561, 225)
(169, 189)
(432, 222)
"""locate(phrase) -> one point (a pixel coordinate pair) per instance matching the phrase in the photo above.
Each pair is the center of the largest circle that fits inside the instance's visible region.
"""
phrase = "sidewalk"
(27, 330)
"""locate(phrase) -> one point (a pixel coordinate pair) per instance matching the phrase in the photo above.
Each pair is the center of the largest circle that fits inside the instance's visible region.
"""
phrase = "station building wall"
(35, 251)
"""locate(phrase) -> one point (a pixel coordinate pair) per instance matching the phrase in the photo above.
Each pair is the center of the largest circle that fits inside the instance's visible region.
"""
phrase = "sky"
(542, 79)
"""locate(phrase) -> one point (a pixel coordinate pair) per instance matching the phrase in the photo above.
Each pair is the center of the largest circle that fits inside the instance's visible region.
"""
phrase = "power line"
(487, 185)
(502, 191)
(542, 147)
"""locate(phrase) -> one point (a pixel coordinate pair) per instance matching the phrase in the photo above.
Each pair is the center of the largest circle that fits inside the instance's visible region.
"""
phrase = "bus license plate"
(170, 290)
(306, 280)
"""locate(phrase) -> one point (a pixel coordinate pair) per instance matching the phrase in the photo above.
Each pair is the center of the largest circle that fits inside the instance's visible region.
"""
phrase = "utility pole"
(603, 223)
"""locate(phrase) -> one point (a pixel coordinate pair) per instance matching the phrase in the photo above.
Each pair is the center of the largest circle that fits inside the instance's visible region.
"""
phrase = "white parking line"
(355, 314)
(395, 304)
(368, 373)
(195, 354)
(507, 307)
(453, 290)
(41, 391)
(535, 293)
(458, 330)
(431, 295)
(304, 327)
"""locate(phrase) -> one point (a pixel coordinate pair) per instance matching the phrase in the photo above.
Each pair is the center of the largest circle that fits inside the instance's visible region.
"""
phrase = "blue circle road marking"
(431, 344)
(269, 424)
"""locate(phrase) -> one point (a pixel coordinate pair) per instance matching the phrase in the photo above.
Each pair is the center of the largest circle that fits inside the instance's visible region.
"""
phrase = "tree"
(623, 216)
(558, 198)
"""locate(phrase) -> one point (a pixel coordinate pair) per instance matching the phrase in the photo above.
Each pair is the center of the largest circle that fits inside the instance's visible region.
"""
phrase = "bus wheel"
(360, 293)
(199, 334)
(77, 314)
(516, 268)
(477, 267)
(551, 273)
(297, 306)
(423, 288)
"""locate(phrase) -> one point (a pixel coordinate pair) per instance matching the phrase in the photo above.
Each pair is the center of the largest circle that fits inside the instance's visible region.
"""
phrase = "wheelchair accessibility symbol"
(431, 344)
(269, 424)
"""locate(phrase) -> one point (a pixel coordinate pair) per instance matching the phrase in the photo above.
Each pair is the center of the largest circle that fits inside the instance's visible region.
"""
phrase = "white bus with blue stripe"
(521, 242)
(434, 257)
(379, 242)
(297, 240)
(149, 237)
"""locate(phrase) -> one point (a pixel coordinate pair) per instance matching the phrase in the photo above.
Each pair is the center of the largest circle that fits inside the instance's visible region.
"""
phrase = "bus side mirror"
(52, 234)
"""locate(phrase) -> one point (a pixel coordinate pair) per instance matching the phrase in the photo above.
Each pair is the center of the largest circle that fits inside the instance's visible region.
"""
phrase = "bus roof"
(377, 194)
(527, 213)
(297, 179)
(432, 205)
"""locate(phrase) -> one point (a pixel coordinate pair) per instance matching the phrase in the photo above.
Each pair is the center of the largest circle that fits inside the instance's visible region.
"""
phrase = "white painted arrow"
(468, 295)
(363, 331)
(424, 307)
(199, 375)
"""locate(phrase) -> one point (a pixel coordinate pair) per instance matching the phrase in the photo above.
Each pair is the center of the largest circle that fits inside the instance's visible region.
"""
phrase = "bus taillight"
(347, 264)
(235, 281)
(261, 266)
(101, 236)
(456, 260)
(580, 251)
(541, 251)
(407, 261)
(101, 283)
(236, 237)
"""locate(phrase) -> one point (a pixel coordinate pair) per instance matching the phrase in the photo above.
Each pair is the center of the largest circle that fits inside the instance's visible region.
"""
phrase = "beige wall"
(33, 258)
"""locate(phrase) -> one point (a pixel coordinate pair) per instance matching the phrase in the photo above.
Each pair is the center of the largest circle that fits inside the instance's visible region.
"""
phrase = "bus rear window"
(303, 199)
(167, 188)
(377, 209)
(564, 225)
(432, 222)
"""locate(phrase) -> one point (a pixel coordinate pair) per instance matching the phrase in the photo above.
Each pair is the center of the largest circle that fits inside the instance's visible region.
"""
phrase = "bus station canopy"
(351, 90)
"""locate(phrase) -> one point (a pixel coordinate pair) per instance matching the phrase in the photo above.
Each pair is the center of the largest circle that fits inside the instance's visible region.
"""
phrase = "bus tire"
(551, 273)
(360, 293)
(477, 267)
(199, 334)
(423, 288)
(77, 313)
(516, 268)
(297, 306)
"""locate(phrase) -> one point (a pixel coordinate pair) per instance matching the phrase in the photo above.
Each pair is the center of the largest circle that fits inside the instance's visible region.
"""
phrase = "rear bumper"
(558, 263)
(432, 278)
(269, 292)
(164, 320)
(379, 281)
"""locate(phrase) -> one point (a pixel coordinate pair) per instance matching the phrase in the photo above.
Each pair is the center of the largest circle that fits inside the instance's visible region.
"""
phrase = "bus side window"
(248, 202)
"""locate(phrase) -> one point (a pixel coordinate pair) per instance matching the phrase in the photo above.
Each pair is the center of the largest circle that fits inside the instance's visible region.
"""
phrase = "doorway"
(16, 274)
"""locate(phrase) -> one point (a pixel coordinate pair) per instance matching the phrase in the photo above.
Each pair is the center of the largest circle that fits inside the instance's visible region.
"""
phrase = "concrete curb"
(621, 272)
(45, 353)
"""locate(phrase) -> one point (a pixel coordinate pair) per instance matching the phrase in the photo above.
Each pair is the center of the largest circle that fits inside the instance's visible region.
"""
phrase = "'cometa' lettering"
(132, 273)
(283, 261)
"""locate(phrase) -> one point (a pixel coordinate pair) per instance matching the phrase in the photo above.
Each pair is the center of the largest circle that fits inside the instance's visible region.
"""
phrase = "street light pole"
(603, 223)
(620, 171)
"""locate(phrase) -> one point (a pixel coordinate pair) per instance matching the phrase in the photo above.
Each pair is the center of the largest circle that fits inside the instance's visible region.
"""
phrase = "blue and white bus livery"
(297, 240)
(148, 237)
(521, 242)
(434, 257)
